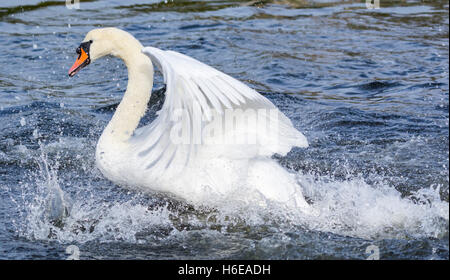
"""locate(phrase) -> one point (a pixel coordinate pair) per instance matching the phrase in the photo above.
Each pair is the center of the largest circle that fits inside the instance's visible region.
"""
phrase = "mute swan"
(212, 139)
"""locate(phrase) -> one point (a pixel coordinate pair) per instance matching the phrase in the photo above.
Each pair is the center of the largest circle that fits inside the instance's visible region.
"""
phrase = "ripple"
(369, 89)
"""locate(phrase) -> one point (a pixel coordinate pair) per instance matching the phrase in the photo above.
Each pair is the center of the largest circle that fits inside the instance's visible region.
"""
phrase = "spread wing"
(207, 113)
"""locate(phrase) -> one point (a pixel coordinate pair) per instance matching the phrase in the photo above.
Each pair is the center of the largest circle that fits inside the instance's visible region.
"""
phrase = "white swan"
(192, 150)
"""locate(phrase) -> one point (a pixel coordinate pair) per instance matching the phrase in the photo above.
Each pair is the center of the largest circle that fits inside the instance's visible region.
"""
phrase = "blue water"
(368, 88)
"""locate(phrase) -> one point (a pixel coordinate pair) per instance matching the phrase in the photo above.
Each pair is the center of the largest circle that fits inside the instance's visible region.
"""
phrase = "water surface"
(369, 89)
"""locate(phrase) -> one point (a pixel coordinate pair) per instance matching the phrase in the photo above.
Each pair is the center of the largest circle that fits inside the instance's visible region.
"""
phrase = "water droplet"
(35, 133)
(23, 122)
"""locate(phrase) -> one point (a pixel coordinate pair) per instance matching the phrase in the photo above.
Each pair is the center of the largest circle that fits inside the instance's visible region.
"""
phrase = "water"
(369, 89)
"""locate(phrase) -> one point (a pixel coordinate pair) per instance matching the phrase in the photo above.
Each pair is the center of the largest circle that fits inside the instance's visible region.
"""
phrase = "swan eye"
(85, 46)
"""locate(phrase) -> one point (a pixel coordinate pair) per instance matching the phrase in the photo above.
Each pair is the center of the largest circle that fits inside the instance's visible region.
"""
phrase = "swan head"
(105, 41)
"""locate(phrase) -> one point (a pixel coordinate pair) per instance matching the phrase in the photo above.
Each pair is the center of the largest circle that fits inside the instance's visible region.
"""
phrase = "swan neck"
(134, 102)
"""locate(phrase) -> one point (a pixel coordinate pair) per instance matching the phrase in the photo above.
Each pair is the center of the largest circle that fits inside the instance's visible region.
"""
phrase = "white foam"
(350, 207)
(356, 208)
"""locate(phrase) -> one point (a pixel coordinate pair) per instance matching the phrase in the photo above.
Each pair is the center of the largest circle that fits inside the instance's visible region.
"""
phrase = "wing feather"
(196, 94)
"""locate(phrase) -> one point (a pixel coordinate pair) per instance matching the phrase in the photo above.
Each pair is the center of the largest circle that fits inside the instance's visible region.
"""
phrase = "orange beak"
(82, 60)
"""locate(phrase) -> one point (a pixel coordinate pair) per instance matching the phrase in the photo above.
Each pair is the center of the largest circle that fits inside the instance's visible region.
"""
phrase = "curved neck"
(134, 102)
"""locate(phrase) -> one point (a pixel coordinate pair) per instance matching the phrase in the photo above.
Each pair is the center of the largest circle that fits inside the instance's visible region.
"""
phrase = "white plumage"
(212, 139)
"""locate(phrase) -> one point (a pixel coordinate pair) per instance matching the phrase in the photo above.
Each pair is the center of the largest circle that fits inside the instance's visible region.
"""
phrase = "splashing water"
(376, 170)
(374, 211)
(348, 207)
